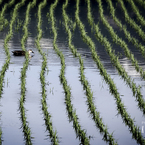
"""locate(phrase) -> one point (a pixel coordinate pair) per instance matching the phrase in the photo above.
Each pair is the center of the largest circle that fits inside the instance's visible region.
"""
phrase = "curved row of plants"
(131, 22)
(129, 55)
(47, 116)
(69, 107)
(1, 1)
(95, 114)
(140, 18)
(7, 38)
(3, 21)
(25, 127)
(136, 133)
(80, 133)
(114, 59)
(141, 2)
(120, 42)
(4, 68)
(126, 32)
(116, 63)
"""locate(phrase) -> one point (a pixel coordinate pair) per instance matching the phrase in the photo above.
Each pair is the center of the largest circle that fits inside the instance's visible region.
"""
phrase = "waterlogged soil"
(105, 103)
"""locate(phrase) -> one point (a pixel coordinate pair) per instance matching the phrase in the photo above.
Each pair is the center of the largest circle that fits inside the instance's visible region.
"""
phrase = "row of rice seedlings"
(136, 133)
(4, 68)
(141, 2)
(120, 42)
(2, 74)
(80, 133)
(47, 116)
(136, 11)
(6, 65)
(1, 1)
(3, 21)
(26, 129)
(114, 59)
(91, 107)
(127, 33)
(131, 22)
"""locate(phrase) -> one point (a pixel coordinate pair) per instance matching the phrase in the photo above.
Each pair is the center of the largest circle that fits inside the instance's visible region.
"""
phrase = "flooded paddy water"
(70, 101)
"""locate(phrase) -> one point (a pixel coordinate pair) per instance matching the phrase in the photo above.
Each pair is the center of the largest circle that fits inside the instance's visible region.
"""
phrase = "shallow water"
(103, 100)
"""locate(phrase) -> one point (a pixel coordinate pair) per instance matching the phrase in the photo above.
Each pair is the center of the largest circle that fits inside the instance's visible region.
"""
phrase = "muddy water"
(103, 100)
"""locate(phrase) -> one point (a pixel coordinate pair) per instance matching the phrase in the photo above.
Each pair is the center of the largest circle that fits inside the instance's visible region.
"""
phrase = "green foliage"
(131, 21)
(114, 58)
(47, 116)
(120, 106)
(3, 21)
(70, 28)
(81, 134)
(25, 127)
(85, 83)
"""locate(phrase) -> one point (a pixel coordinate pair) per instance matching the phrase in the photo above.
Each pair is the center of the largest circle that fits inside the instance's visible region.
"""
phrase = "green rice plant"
(80, 133)
(85, 83)
(47, 116)
(113, 90)
(121, 71)
(19, 24)
(2, 74)
(1, 1)
(141, 2)
(25, 127)
(131, 21)
(7, 38)
(123, 44)
(3, 21)
(127, 34)
(136, 11)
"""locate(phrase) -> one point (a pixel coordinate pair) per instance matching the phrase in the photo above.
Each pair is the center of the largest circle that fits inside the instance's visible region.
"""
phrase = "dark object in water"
(21, 52)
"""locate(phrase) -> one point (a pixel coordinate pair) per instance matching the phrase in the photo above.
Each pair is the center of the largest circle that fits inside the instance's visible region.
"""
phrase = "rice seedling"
(115, 61)
(131, 21)
(2, 74)
(140, 18)
(25, 127)
(47, 116)
(8, 37)
(85, 83)
(113, 90)
(3, 21)
(72, 30)
(126, 32)
(121, 43)
(141, 2)
(19, 24)
(1, 1)
(80, 133)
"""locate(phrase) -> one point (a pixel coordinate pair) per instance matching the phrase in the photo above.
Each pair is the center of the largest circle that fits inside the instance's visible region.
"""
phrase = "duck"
(22, 52)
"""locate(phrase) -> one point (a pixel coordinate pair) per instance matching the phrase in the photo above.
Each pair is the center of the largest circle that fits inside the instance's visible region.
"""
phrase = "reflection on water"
(129, 68)
(105, 104)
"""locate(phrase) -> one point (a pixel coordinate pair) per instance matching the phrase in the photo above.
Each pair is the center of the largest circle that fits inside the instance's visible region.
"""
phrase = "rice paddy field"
(85, 83)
